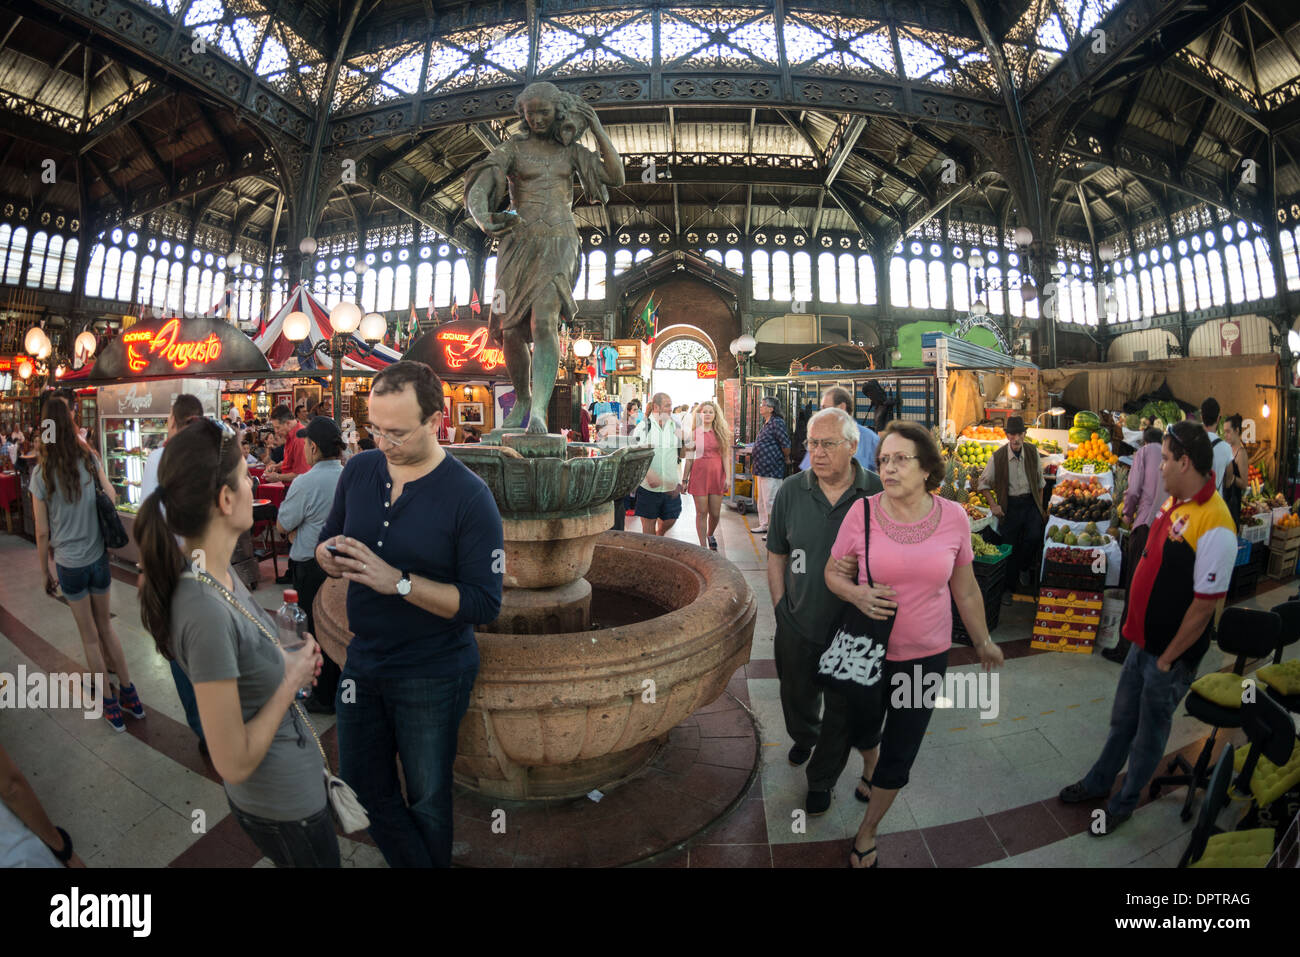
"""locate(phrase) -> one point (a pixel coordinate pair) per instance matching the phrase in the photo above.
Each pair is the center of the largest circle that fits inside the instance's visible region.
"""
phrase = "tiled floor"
(982, 792)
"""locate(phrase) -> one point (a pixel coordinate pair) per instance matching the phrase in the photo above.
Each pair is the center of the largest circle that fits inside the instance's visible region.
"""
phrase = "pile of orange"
(1095, 448)
(1091, 488)
(996, 433)
(1288, 521)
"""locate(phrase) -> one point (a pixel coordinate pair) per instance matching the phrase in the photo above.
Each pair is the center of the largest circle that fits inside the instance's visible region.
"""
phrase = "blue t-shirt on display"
(609, 360)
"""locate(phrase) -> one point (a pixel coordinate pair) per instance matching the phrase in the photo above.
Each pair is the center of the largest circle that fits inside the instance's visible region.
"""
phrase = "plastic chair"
(1269, 675)
(1248, 634)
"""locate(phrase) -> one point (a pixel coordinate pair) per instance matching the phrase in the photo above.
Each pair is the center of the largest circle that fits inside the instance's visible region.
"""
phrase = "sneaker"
(113, 714)
(1008, 598)
(713, 543)
(761, 530)
(130, 701)
(1077, 794)
(799, 754)
(817, 802)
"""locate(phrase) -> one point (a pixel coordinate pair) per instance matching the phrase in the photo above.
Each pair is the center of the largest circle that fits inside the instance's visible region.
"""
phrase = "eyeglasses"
(827, 444)
(390, 439)
(898, 458)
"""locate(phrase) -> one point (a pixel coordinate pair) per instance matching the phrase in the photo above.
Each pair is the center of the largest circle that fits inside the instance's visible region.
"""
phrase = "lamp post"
(742, 347)
(346, 319)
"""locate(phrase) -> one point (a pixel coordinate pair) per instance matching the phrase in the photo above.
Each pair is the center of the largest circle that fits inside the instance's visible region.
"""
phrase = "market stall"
(472, 367)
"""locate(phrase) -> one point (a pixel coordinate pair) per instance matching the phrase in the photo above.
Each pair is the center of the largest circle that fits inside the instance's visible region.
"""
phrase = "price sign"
(1089, 469)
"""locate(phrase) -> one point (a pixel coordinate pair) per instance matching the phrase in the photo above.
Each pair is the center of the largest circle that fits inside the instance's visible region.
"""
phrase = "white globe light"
(297, 326)
(897, 354)
(307, 246)
(32, 341)
(976, 260)
(1105, 252)
(582, 348)
(45, 350)
(24, 370)
(60, 371)
(1022, 235)
(373, 327)
(345, 317)
(361, 267)
(1028, 293)
(979, 309)
(86, 344)
(745, 343)
(1013, 389)
(234, 260)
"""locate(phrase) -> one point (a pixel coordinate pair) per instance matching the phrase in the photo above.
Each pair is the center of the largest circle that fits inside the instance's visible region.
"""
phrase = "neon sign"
(706, 370)
(459, 348)
(164, 341)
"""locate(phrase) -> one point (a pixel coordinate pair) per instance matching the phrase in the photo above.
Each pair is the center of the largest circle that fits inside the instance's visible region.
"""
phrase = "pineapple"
(948, 490)
(963, 496)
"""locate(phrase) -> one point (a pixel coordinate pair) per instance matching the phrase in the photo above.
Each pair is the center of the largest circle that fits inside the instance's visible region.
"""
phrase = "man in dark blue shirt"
(419, 538)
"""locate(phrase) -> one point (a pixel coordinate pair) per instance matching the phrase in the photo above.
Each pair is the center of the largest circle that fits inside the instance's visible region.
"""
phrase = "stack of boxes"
(1067, 620)
(1283, 551)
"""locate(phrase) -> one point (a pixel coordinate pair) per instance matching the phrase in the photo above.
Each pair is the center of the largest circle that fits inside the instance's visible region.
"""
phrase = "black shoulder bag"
(854, 663)
(110, 522)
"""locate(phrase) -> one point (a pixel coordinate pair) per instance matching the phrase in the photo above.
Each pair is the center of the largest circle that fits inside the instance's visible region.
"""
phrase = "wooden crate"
(1282, 560)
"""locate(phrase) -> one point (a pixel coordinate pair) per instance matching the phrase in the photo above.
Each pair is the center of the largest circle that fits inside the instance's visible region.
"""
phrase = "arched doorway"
(675, 371)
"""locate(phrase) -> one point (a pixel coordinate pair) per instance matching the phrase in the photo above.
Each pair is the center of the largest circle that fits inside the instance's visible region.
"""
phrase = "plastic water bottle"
(291, 622)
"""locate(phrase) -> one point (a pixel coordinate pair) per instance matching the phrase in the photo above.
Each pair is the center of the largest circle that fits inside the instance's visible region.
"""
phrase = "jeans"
(1145, 701)
(311, 842)
(185, 691)
(416, 719)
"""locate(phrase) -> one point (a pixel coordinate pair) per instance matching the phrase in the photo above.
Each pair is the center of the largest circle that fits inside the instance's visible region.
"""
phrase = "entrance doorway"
(675, 372)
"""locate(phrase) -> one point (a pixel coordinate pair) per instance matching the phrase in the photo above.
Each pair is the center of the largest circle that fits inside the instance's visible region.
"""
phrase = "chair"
(264, 516)
(1210, 847)
(1283, 678)
(1272, 765)
(1216, 698)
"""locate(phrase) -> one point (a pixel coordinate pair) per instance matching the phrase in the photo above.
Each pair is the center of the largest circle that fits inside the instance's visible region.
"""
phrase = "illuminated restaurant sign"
(459, 348)
(706, 370)
(167, 347)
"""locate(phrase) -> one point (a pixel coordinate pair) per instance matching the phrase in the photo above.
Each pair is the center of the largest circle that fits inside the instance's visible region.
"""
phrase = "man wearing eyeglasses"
(418, 537)
(1181, 577)
(868, 440)
(806, 516)
(286, 427)
(1015, 477)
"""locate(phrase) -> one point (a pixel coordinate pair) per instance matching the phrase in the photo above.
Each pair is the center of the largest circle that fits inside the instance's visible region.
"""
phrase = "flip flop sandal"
(857, 794)
(862, 856)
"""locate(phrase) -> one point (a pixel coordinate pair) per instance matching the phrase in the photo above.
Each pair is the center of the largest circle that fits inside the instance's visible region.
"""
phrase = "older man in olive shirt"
(806, 517)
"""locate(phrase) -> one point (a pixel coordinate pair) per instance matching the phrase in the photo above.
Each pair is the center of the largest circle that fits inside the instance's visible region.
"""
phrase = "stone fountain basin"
(557, 715)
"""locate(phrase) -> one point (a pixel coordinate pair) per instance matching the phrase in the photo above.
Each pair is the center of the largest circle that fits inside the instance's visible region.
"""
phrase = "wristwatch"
(66, 854)
(404, 584)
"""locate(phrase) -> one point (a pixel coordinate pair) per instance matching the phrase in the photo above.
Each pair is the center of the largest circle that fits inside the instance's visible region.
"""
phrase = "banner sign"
(170, 347)
(459, 348)
(706, 370)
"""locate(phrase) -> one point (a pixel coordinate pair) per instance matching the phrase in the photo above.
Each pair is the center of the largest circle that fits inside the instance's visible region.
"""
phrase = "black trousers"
(814, 718)
(904, 724)
(308, 577)
(1022, 529)
(311, 842)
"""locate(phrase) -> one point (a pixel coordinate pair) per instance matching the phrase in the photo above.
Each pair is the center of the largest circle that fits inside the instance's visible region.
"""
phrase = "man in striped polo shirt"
(1182, 575)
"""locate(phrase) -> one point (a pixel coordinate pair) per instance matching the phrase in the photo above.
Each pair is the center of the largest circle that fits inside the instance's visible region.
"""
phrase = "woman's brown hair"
(59, 458)
(928, 456)
(196, 463)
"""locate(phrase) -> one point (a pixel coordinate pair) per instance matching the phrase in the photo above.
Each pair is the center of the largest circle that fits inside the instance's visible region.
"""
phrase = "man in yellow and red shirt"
(1182, 575)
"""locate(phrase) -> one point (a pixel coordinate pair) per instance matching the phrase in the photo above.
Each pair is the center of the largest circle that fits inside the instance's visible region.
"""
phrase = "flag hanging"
(648, 325)
(413, 326)
(404, 335)
(433, 313)
(475, 306)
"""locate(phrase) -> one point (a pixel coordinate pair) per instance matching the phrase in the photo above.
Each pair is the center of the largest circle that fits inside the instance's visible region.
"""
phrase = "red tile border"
(967, 843)
(1026, 828)
(731, 855)
(761, 668)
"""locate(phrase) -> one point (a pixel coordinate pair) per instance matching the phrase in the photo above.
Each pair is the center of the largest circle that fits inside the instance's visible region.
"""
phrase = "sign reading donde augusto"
(180, 347)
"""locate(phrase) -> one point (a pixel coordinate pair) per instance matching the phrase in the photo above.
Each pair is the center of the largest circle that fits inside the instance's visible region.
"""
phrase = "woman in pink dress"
(921, 565)
(708, 470)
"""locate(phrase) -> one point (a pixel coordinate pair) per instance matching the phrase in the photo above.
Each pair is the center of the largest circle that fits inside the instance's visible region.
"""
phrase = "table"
(257, 471)
(272, 491)
(9, 497)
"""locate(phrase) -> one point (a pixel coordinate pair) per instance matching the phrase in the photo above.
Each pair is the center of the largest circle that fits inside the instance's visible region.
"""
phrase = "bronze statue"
(537, 254)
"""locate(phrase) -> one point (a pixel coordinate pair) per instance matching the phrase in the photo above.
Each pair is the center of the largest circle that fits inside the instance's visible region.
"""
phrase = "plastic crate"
(1243, 554)
(985, 561)
(1244, 581)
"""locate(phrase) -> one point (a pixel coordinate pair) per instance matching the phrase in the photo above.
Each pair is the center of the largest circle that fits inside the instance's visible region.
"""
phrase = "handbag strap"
(238, 606)
(866, 528)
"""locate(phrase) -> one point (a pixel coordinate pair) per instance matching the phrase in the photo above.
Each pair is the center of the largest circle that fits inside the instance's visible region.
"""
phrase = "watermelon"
(1087, 420)
(1079, 435)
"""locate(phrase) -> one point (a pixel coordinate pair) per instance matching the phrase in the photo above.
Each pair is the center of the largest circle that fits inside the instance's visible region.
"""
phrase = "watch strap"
(66, 854)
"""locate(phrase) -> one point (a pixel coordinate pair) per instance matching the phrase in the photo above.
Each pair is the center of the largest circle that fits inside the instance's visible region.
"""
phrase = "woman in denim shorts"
(67, 523)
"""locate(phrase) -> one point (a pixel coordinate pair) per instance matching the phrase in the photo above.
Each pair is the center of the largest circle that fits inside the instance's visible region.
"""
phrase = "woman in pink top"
(920, 559)
(707, 468)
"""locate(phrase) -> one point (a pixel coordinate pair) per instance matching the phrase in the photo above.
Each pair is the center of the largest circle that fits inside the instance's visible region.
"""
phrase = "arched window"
(1134, 296)
(144, 291)
(1290, 261)
(960, 287)
(1218, 289)
(1148, 297)
(1015, 300)
(866, 280)
(1267, 280)
(735, 261)
(1064, 299)
(384, 290)
(826, 273)
(1187, 277)
(643, 254)
(333, 290)
(68, 274)
(126, 281)
(112, 270)
(490, 277)
(580, 283)
(847, 282)
(713, 255)
(192, 277)
(460, 281)
(53, 259)
(94, 271)
(994, 276)
(370, 289)
(1171, 285)
(36, 258)
(898, 282)
(1232, 260)
(441, 284)
(1160, 303)
(1202, 282)
(6, 231)
(423, 285)
(801, 267)
(623, 262)
(277, 292)
(14, 268)
(762, 278)
(938, 285)
(1090, 304)
(402, 287)
(781, 276)
(917, 290)
(596, 274)
(176, 288)
(320, 288)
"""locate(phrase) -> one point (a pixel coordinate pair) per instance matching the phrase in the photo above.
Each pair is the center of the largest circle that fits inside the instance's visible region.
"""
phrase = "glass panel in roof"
(918, 59)
(204, 11)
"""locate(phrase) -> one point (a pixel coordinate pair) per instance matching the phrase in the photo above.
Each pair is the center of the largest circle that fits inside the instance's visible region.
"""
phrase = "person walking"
(301, 517)
(1014, 475)
(1236, 477)
(1219, 447)
(806, 516)
(868, 440)
(771, 450)
(921, 563)
(708, 470)
(63, 488)
(1142, 501)
(418, 537)
(202, 616)
(1182, 576)
(659, 497)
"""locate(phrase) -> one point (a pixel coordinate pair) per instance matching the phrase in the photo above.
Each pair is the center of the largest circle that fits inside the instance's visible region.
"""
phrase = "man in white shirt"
(185, 408)
(659, 499)
(1221, 449)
